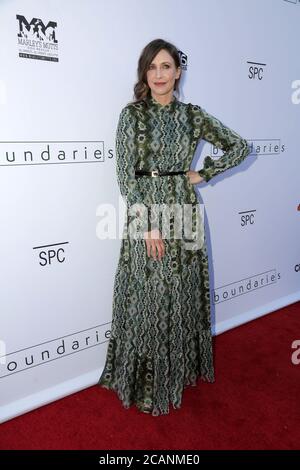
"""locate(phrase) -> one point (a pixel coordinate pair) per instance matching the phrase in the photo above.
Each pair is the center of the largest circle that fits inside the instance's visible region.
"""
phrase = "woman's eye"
(153, 66)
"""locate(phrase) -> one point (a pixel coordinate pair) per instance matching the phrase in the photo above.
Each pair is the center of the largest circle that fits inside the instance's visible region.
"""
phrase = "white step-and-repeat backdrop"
(67, 69)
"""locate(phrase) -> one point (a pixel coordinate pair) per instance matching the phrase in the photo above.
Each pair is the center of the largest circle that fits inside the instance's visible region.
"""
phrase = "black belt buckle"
(154, 173)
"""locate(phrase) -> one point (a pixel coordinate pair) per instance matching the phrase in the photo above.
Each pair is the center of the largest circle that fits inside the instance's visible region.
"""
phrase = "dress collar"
(153, 103)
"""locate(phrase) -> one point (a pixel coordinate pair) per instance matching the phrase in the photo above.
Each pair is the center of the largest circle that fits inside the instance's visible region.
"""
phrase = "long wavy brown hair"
(141, 88)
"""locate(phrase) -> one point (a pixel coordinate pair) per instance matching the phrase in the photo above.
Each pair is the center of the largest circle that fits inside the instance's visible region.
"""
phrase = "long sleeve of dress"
(235, 147)
(126, 160)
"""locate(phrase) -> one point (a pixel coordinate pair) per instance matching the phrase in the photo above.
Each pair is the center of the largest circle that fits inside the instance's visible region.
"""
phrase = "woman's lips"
(160, 83)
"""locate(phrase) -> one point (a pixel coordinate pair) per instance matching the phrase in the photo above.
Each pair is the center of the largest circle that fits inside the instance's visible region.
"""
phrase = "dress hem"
(149, 409)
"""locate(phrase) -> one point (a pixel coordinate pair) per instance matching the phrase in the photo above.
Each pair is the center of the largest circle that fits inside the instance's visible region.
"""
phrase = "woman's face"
(162, 74)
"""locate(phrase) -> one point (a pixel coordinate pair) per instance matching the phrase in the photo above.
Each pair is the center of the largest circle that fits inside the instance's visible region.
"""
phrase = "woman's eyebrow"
(152, 63)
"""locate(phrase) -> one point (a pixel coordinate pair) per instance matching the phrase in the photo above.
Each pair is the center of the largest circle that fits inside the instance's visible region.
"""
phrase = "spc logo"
(51, 253)
(247, 217)
(256, 70)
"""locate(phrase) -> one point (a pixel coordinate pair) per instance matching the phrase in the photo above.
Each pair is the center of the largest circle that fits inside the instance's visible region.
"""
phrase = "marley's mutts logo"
(37, 40)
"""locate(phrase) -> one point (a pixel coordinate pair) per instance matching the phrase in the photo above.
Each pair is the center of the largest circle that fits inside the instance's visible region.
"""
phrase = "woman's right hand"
(155, 244)
(194, 177)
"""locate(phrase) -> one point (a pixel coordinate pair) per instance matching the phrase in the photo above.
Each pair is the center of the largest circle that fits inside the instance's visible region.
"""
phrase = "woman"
(161, 325)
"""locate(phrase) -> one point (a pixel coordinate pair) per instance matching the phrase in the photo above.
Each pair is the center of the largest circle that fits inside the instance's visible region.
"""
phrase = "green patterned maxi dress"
(161, 338)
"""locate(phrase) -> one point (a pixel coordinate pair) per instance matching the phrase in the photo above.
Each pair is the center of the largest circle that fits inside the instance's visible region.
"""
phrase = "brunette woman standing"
(161, 337)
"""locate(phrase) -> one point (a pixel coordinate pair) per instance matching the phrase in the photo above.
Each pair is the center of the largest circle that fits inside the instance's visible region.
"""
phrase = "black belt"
(154, 173)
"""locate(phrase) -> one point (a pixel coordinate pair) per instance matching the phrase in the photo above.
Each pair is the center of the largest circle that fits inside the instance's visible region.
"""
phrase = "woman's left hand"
(194, 177)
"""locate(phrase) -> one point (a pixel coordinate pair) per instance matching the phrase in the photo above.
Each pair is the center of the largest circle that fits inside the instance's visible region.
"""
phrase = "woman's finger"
(153, 247)
(161, 249)
(148, 248)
